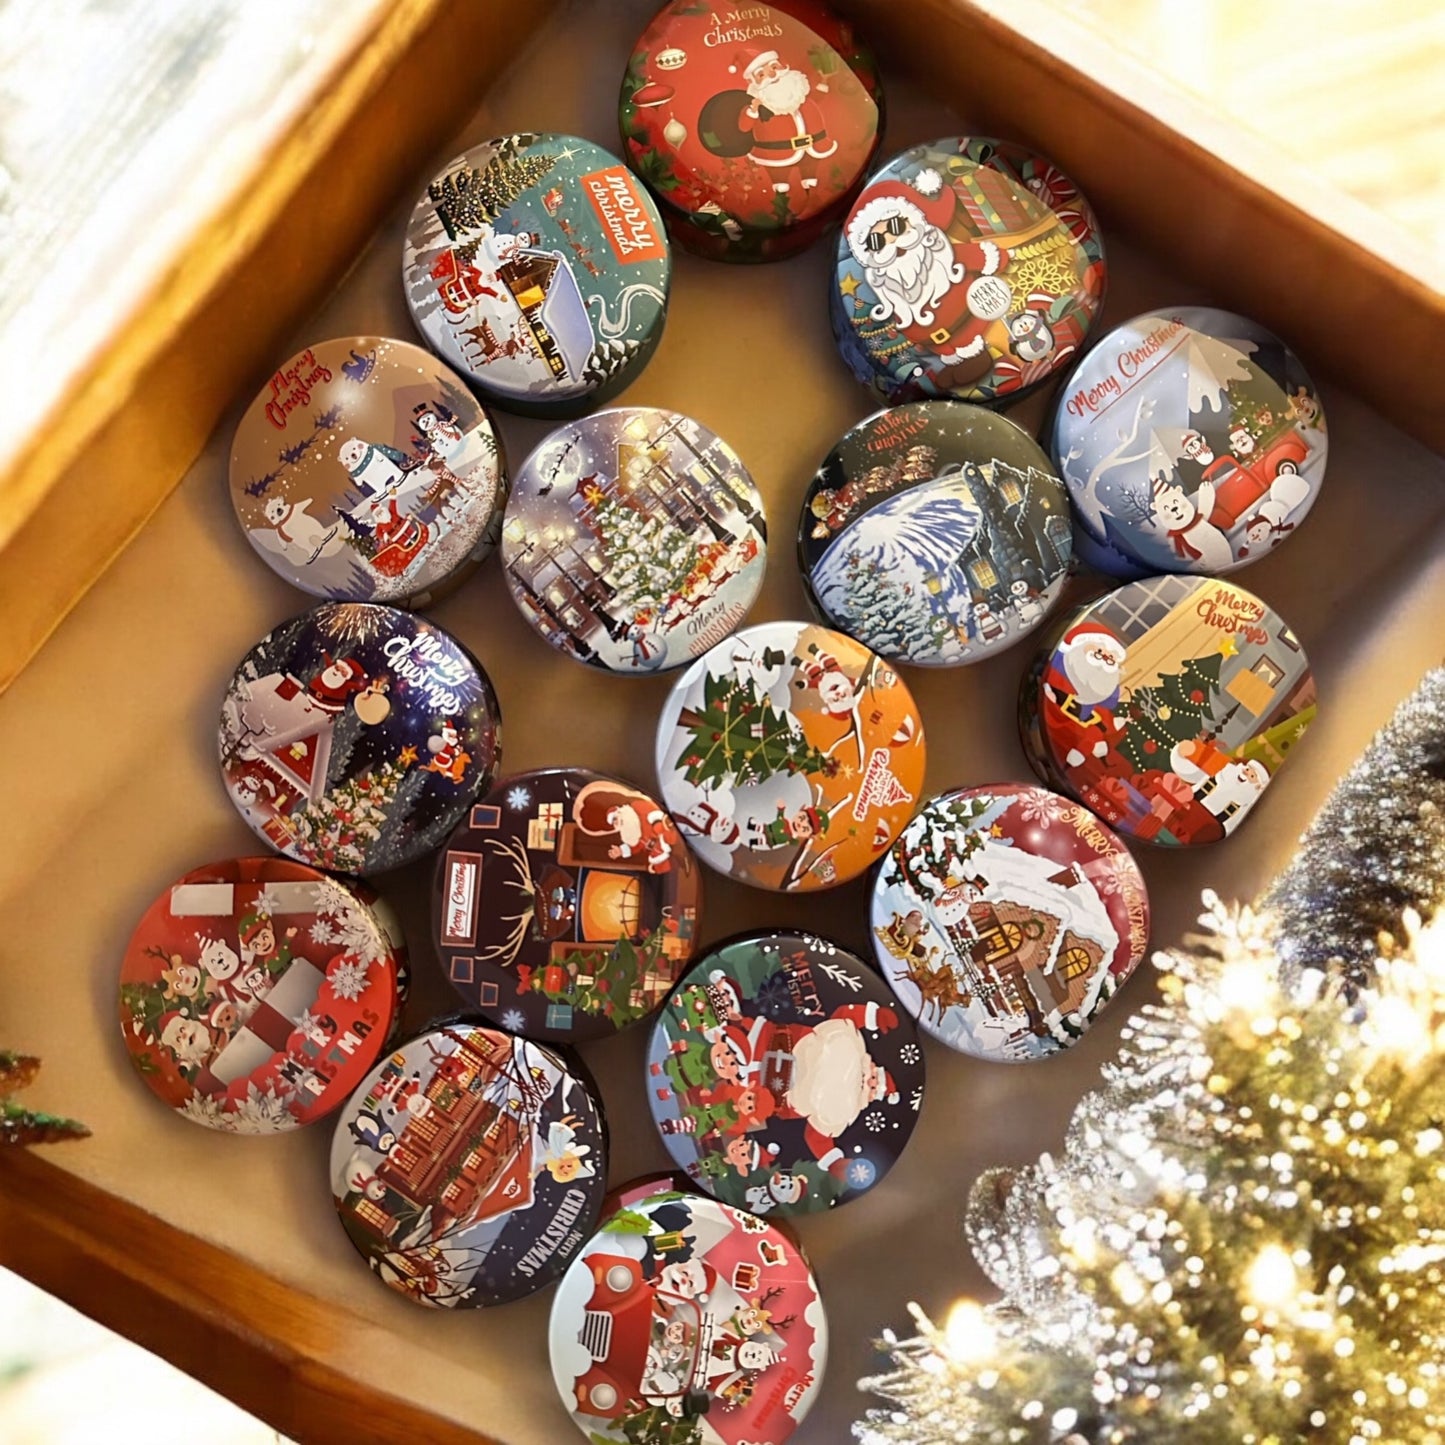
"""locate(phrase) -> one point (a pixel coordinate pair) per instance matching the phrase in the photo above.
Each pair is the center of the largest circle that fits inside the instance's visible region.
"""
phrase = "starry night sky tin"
(565, 905)
(469, 1167)
(538, 266)
(935, 533)
(354, 737)
(783, 1076)
(1191, 440)
(634, 540)
(365, 470)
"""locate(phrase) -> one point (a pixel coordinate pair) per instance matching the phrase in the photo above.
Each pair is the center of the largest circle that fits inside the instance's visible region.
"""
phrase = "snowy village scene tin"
(966, 268)
(538, 266)
(634, 540)
(752, 124)
(469, 1167)
(684, 1320)
(355, 736)
(565, 905)
(1005, 918)
(782, 1075)
(1191, 441)
(256, 993)
(790, 756)
(365, 471)
(935, 533)
(1167, 707)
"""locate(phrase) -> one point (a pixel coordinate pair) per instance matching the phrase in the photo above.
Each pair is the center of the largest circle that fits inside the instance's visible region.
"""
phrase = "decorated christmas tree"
(1176, 709)
(946, 846)
(739, 737)
(341, 828)
(601, 983)
(652, 1425)
(469, 198)
(647, 558)
(887, 620)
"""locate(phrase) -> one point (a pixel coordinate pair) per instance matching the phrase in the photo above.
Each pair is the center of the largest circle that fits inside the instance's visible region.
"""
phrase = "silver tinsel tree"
(1243, 1240)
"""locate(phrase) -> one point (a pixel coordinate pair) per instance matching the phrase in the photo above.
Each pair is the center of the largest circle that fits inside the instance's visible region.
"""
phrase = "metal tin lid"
(365, 470)
(469, 1167)
(935, 533)
(634, 540)
(791, 756)
(565, 905)
(1191, 440)
(1005, 918)
(752, 128)
(355, 737)
(782, 1077)
(256, 992)
(1012, 283)
(646, 1186)
(1167, 707)
(684, 1316)
(538, 266)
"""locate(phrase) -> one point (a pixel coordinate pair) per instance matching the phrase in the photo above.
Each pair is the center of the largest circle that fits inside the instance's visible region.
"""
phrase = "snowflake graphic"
(268, 900)
(204, 1110)
(861, 1173)
(910, 1053)
(1044, 808)
(1108, 875)
(347, 977)
(519, 799)
(262, 1112)
(322, 932)
(874, 1122)
(514, 1020)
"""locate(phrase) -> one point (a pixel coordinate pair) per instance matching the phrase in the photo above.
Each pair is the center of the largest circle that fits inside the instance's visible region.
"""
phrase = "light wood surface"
(223, 1252)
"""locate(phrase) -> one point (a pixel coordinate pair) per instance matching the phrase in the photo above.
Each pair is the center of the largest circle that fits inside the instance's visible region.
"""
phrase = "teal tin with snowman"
(537, 265)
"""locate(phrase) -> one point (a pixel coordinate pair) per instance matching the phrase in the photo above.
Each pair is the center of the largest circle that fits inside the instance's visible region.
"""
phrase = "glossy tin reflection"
(782, 1076)
(1191, 440)
(469, 1167)
(935, 533)
(1005, 918)
(684, 1319)
(966, 268)
(790, 756)
(355, 736)
(255, 993)
(752, 125)
(565, 905)
(634, 540)
(364, 470)
(1168, 706)
(537, 265)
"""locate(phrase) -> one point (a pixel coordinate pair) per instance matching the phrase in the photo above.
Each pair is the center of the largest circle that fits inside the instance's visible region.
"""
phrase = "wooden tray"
(223, 1253)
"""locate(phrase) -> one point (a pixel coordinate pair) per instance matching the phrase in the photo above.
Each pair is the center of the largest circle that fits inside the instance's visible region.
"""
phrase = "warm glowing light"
(1245, 987)
(1271, 1280)
(968, 1334)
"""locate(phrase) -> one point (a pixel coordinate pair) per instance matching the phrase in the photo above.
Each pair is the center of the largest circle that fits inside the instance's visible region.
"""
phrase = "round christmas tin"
(1005, 918)
(255, 993)
(565, 905)
(1167, 706)
(791, 756)
(685, 1320)
(1191, 440)
(538, 266)
(967, 268)
(781, 1075)
(355, 737)
(365, 470)
(469, 1167)
(752, 126)
(634, 540)
(935, 533)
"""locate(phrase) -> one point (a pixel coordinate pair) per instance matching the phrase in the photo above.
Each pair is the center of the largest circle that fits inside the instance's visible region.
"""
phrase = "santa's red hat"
(1092, 632)
(749, 60)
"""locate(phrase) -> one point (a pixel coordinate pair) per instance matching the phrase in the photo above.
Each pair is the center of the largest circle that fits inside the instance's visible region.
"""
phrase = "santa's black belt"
(793, 143)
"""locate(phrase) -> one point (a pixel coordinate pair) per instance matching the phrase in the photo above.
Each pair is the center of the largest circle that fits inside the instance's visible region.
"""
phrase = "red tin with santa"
(967, 268)
(1168, 706)
(256, 993)
(565, 905)
(752, 124)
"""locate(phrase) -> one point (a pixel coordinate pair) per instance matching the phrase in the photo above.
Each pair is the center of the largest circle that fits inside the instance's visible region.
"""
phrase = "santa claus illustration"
(1225, 787)
(788, 133)
(642, 829)
(1081, 690)
(336, 682)
(448, 756)
(941, 287)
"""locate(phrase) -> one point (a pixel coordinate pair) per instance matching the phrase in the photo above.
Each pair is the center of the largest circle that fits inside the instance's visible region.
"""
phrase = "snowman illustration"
(301, 535)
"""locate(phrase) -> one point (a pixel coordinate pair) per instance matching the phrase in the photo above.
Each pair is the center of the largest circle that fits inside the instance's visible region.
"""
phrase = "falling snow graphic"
(861, 1173)
(519, 799)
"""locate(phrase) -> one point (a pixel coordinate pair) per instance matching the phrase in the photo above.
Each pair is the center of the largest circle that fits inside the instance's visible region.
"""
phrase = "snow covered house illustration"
(546, 292)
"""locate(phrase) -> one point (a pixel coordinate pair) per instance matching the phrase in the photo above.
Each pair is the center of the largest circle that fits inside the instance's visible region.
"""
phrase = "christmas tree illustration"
(340, 828)
(648, 558)
(886, 619)
(739, 737)
(601, 984)
(944, 850)
(470, 197)
(1176, 709)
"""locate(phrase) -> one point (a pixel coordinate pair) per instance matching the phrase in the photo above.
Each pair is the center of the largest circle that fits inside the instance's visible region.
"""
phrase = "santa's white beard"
(629, 827)
(783, 94)
(829, 1068)
(1092, 680)
(911, 281)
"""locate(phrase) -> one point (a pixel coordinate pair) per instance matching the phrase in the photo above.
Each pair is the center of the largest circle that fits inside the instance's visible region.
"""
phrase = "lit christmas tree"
(648, 558)
(885, 619)
(740, 737)
(601, 983)
(1176, 709)
(469, 198)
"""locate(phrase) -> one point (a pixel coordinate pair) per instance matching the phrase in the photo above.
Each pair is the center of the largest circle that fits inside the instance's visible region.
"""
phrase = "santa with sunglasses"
(942, 292)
